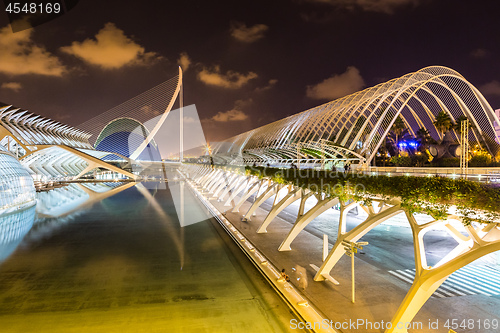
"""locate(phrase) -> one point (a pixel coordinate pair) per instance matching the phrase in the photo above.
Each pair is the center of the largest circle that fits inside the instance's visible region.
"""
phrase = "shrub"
(480, 160)
(446, 162)
(404, 161)
(430, 195)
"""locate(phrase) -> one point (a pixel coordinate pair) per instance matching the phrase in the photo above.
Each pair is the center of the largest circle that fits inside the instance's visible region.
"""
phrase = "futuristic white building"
(48, 148)
(16, 184)
(123, 136)
(497, 126)
(354, 127)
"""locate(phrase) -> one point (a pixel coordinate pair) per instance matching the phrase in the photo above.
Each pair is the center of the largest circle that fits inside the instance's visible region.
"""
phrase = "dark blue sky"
(251, 62)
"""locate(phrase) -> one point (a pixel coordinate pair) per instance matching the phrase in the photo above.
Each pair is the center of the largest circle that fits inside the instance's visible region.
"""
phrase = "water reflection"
(53, 210)
(177, 239)
(114, 266)
(57, 207)
(13, 228)
(66, 200)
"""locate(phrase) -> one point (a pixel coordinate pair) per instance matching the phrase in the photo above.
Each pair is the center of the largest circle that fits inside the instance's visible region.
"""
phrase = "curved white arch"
(153, 132)
(366, 116)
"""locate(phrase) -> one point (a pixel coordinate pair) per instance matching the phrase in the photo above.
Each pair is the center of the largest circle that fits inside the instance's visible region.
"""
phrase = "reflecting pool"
(113, 257)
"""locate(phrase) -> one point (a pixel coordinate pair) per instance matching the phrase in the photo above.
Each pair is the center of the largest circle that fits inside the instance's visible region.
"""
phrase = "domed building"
(17, 190)
(123, 136)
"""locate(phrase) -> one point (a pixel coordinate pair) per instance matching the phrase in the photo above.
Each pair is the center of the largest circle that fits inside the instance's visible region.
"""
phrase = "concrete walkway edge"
(296, 300)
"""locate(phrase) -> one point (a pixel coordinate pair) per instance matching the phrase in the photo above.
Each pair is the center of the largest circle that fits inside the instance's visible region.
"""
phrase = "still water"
(114, 258)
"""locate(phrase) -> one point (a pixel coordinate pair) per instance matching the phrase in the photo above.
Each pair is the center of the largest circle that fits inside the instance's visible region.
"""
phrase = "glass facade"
(124, 136)
(16, 184)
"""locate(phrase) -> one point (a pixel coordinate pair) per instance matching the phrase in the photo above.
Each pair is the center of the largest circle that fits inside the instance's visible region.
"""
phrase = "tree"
(397, 128)
(424, 139)
(398, 131)
(458, 125)
(443, 122)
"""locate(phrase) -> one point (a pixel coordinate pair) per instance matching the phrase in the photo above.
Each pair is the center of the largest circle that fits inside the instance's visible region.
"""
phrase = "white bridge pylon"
(481, 238)
(158, 125)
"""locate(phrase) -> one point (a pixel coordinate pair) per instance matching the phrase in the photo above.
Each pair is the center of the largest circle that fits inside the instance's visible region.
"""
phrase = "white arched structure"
(354, 126)
(474, 240)
(48, 148)
(160, 122)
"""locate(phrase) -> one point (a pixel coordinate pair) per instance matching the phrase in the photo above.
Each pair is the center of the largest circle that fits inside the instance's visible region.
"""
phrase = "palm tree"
(397, 128)
(393, 139)
(382, 150)
(424, 138)
(458, 125)
(443, 122)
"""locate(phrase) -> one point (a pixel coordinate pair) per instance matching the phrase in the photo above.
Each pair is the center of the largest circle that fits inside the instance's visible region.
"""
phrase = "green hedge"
(430, 195)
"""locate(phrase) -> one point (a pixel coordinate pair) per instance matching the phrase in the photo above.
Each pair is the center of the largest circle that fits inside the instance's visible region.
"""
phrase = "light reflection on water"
(121, 260)
(13, 228)
(56, 208)
(53, 210)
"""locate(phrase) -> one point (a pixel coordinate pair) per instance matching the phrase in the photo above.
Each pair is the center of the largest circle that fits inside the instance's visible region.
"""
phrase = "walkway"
(378, 292)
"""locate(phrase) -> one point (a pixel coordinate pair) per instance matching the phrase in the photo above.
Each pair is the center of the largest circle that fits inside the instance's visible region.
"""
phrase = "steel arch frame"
(365, 118)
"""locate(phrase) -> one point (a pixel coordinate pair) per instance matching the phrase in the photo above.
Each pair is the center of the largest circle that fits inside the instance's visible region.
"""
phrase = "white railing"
(479, 173)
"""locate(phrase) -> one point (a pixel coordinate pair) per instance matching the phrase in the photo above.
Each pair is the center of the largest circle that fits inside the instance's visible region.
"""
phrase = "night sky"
(246, 63)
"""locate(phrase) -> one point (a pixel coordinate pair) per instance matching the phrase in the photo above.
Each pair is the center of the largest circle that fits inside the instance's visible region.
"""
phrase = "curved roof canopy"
(355, 126)
(31, 129)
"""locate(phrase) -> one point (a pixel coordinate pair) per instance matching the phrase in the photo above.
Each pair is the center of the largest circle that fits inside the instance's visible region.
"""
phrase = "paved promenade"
(378, 291)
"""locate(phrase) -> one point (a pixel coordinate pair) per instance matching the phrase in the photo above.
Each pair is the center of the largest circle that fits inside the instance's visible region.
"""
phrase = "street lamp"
(207, 149)
(350, 249)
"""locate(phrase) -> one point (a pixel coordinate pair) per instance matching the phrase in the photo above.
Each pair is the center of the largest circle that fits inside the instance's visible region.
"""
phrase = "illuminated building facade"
(16, 184)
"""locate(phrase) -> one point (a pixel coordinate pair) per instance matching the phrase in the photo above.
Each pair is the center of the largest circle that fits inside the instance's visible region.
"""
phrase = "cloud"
(235, 114)
(380, 6)
(150, 111)
(228, 123)
(338, 85)
(61, 116)
(19, 55)
(269, 85)
(491, 88)
(246, 34)
(16, 86)
(111, 49)
(184, 61)
(480, 53)
(231, 115)
(231, 79)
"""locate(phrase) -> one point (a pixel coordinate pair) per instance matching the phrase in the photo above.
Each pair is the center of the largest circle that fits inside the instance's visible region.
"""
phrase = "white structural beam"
(357, 125)
(474, 241)
(160, 122)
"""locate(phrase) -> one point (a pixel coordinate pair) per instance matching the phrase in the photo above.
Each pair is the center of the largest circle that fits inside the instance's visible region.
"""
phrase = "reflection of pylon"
(181, 125)
(464, 154)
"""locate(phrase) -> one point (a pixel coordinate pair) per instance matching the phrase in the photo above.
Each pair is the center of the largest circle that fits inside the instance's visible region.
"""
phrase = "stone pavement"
(378, 293)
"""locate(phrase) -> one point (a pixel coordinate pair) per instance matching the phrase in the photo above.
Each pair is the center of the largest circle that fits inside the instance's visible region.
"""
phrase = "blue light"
(412, 144)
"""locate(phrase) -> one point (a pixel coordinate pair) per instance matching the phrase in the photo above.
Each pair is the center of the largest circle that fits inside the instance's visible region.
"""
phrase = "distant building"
(123, 136)
(497, 126)
(46, 149)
